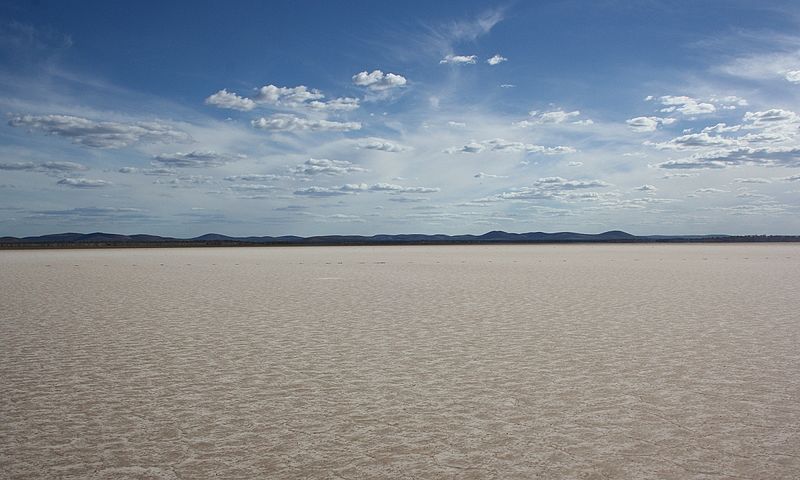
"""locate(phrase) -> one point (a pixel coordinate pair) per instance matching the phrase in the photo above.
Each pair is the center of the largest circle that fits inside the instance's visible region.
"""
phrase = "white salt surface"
(605, 361)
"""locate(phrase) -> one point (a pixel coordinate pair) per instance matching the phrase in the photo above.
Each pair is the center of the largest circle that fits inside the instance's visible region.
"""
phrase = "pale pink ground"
(605, 361)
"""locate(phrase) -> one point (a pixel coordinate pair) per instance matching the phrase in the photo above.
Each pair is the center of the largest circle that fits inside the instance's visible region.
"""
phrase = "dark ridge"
(101, 239)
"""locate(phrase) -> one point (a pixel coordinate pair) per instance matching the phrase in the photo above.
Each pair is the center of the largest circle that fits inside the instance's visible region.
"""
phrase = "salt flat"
(548, 361)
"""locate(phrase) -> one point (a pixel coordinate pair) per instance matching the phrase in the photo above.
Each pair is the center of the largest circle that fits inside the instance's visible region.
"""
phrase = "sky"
(363, 117)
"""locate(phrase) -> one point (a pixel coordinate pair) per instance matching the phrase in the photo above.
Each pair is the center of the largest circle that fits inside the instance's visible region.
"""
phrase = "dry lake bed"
(539, 361)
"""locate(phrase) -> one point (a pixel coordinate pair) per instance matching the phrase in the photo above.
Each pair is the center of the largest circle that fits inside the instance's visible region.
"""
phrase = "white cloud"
(388, 187)
(459, 59)
(646, 188)
(698, 140)
(456, 124)
(63, 166)
(752, 180)
(648, 124)
(691, 164)
(507, 85)
(160, 172)
(315, 166)
(721, 128)
(787, 156)
(352, 188)
(772, 118)
(552, 117)
(500, 145)
(286, 122)
(382, 145)
(497, 59)
(793, 178)
(792, 76)
(252, 187)
(710, 190)
(90, 133)
(575, 164)
(17, 166)
(762, 66)
(686, 105)
(288, 96)
(379, 81)
(488, 175)
(550, 188)
(226, 99)
(195, 159)
(729, 102)
(83, 183)
(45, 167)
(343, 104)
(255, 177)
(283, 97)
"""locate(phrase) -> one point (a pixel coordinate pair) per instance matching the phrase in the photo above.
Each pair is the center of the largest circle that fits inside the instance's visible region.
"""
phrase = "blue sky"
(271, 118)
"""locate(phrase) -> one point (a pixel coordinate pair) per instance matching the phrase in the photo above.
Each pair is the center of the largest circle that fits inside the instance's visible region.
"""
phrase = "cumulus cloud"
(347, 189)
(685, 105)
(52, 167)
(752, 180)
(697, 140)
(459, 59)
(352, 188)
(382, 145)
(787, 156)
(772, 118)
(90, 133)
(389, 187)
(552, 117)
(17, 166)
(488, 175)
(112, 213)
(691, 164)
(288, 123)
(83, 183)
(792, 76)
(283, 97)
(729, 102)
(149, 171)
(549, 188)
(646, 188)
(648, 124)
(317, 166)
(255, 177)
(710, 190)
(226, 99)
(251, 187)
(63, 166)
(500, 145)
(496, 60)
(290, 96)
(195, 159)
(379, 81)
(343, 104)
(721, 128)
(186, 181)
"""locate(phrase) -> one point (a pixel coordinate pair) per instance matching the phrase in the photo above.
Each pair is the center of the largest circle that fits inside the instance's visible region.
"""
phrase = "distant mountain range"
(99, 239)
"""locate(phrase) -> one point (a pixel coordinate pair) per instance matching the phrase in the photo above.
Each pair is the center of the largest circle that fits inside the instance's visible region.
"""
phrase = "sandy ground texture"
(595, 362)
